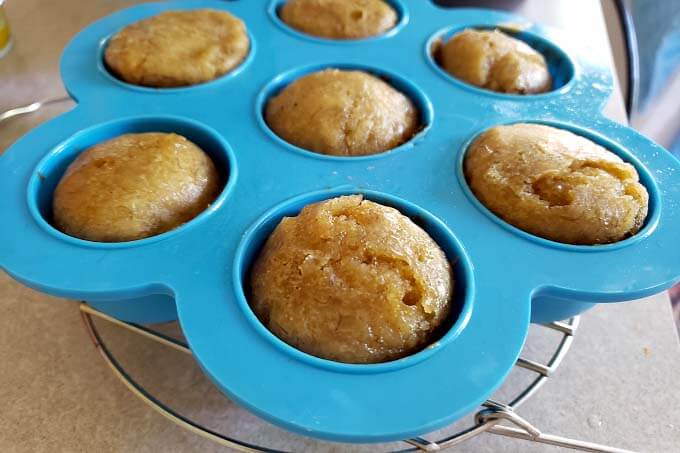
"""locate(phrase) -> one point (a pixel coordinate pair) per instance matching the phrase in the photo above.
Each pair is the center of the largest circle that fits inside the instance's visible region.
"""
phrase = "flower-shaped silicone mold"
(505, 277)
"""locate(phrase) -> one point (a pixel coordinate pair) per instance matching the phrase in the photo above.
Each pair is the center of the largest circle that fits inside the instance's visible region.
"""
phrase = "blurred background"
(645, 36)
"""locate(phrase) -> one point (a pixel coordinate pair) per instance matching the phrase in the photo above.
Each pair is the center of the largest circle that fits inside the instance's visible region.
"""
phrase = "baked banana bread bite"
(555, 184)
(353, 281)
(339, 19)
(493, 60)
(134, 186)
(342, 113)
(178, 48)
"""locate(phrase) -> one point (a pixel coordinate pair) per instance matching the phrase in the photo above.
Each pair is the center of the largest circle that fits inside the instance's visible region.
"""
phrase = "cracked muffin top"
(134, 186)
(178, 48)
(353, 281)
(555, 184)
(342, 113)
(339, 19)
(493, 60)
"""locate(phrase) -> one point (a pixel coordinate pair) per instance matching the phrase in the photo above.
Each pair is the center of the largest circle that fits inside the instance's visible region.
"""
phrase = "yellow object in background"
(5, 36)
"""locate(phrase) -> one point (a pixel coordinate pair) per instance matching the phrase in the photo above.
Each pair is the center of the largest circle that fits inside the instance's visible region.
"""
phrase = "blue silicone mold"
(505, 278)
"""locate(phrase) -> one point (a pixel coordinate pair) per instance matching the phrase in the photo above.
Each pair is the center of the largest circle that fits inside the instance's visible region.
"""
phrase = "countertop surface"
(617, 386)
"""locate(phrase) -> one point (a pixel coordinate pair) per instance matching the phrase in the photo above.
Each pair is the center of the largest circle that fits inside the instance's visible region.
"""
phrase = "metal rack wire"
(494, 417)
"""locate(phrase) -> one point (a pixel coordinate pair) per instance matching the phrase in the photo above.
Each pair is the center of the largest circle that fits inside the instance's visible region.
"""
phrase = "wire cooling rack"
(493, 417)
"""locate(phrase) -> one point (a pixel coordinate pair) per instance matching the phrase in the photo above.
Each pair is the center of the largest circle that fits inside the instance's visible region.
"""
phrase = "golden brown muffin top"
(555, 184)
(339, 19)
(353, 281)
(134, 186)
(495, 61)
(343, 113)
(178, 48)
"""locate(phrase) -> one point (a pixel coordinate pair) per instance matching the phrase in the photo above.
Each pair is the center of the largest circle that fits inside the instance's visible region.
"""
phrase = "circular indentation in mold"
(560, 65)
(210, 84)
(398, 5)
(464, 287)
(406, 87)
(646, 179)
(50, 169)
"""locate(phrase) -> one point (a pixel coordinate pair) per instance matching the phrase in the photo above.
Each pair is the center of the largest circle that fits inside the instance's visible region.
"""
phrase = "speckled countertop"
(617, 386)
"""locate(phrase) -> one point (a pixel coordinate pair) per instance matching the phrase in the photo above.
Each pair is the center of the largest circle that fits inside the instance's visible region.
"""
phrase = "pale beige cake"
(178, 48)
(555, 184)
(343, 113)
(493, 60)
(134, 186)
(339, 19)
(353, 281)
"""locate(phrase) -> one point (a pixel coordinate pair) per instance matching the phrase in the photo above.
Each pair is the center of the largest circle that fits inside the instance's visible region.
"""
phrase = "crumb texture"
(134, 186)
(178, 48)
(343, 113)
(495, 61)
(555, 184)
(353, 281)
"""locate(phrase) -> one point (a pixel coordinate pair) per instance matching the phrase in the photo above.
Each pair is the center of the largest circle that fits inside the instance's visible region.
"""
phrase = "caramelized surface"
(353, 281)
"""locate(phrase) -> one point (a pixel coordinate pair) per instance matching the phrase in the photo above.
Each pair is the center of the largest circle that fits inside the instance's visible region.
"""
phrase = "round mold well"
(646, 179)
(401, 84)
(210, 84)
(399, 7)
(560, 65)
(464, 286)
(51, 168)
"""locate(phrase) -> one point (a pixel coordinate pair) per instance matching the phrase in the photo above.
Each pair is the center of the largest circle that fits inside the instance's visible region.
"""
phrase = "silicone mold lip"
(50, 169)
(408, 88)
(464, 286)
(398, 5)
(210, 84)
(646, 179)
(561, 65)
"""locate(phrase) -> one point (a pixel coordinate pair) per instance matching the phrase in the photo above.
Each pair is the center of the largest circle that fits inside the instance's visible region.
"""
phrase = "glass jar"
(5, 35)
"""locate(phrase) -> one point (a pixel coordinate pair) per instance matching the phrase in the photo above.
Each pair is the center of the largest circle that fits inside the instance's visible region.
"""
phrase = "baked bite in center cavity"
(339, 19)
(134, 186)
(493, 60)
(342, 113)
(178, 48)
(556, 184)
(353, 281)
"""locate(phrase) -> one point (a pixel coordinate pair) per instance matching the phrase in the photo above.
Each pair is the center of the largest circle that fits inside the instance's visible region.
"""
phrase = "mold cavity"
(111, 75)
(463, 289)
(50, 170)
(355, 15)
(339, 148)
(586, 219)
(560, 66)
